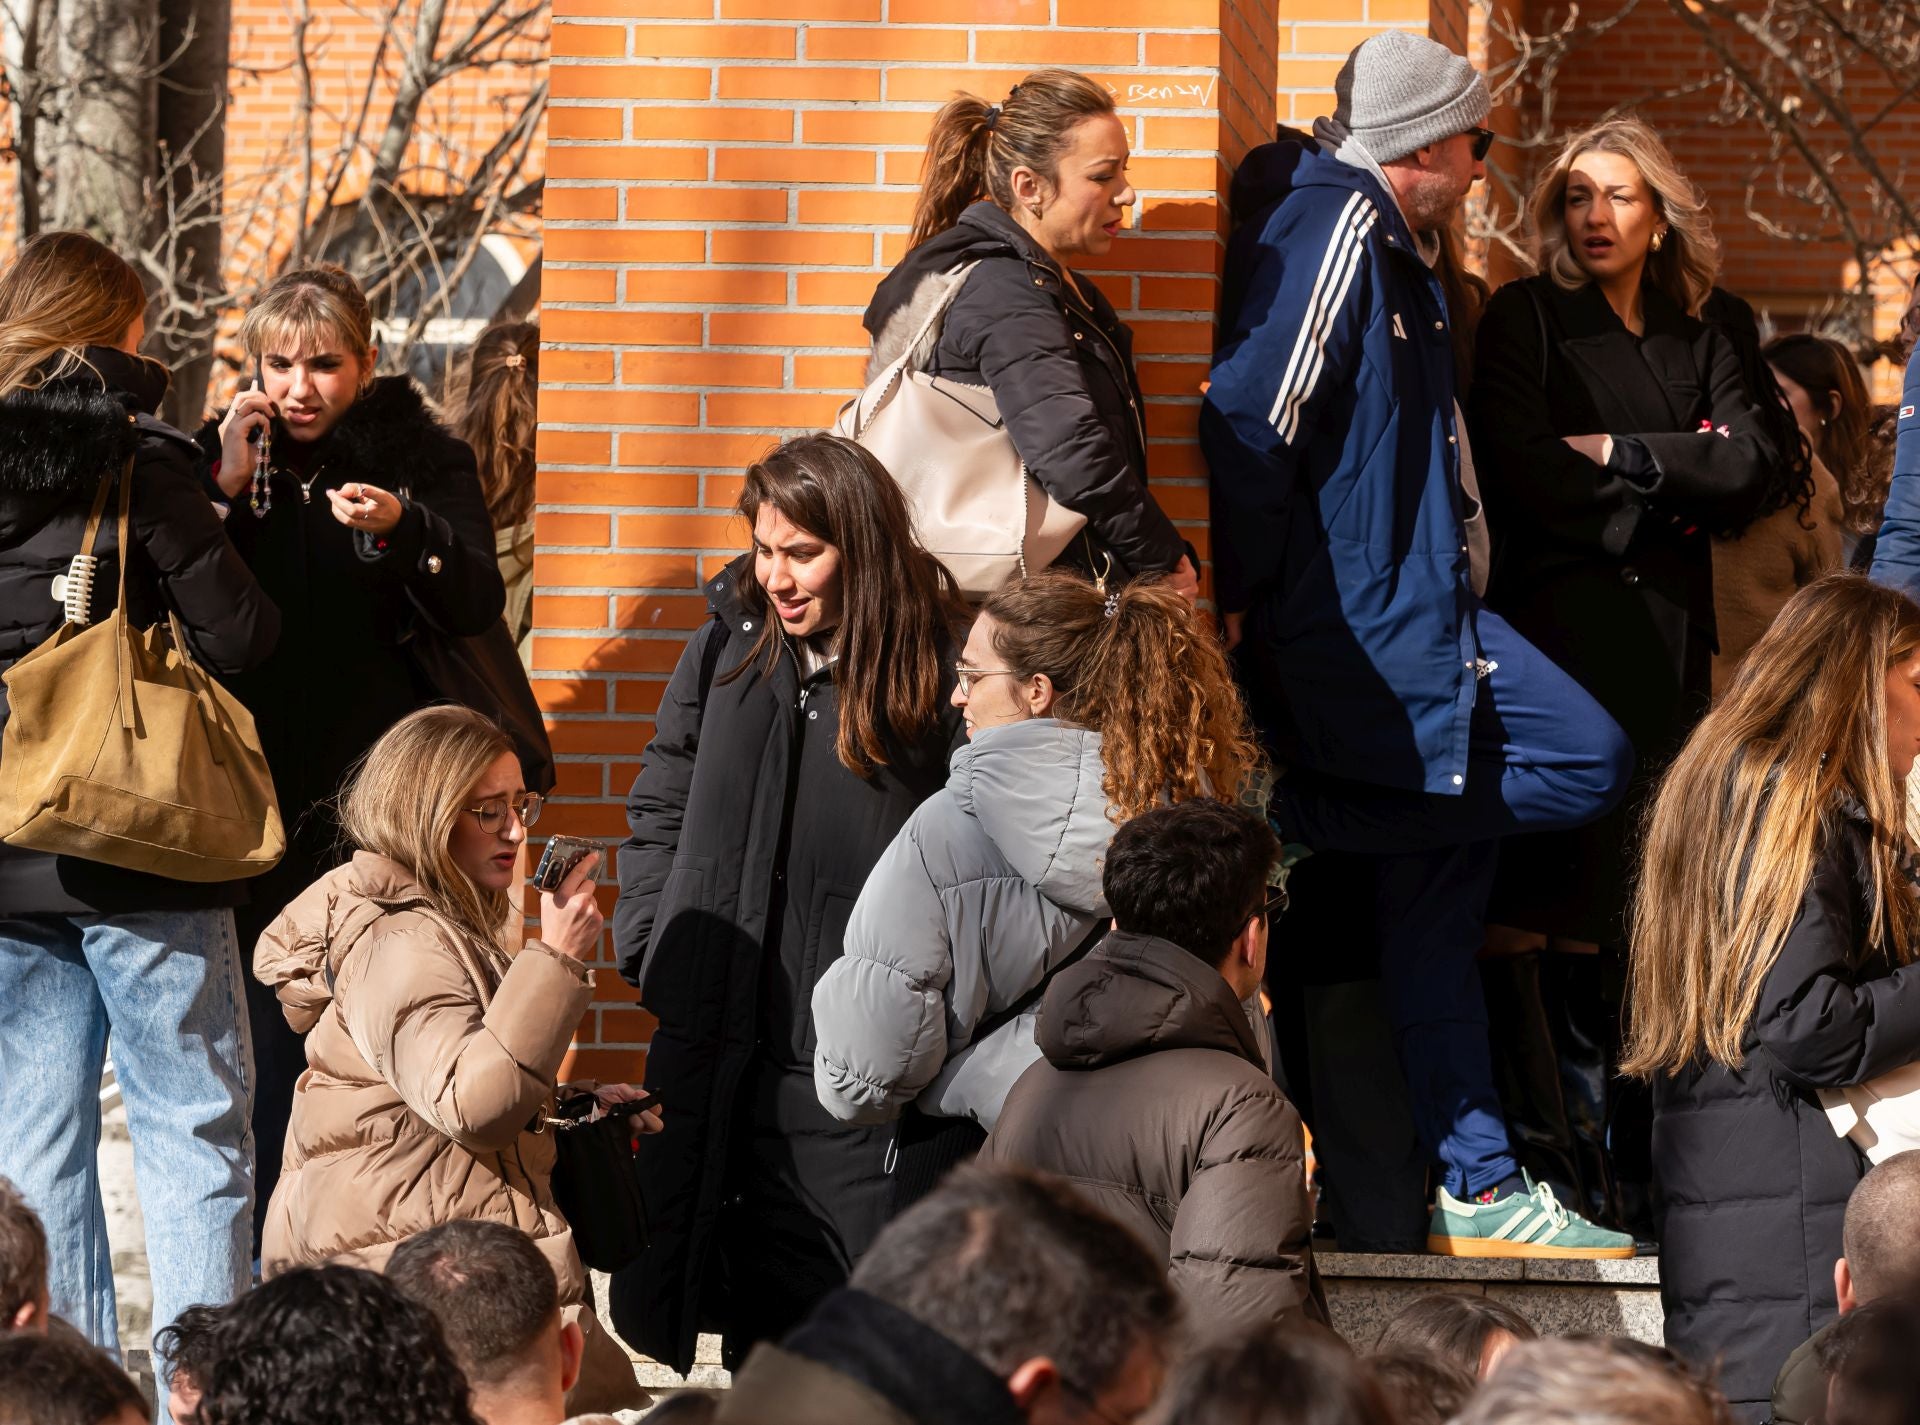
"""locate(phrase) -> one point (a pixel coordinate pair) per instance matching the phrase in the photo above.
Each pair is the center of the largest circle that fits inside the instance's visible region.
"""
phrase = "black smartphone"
(562, 854)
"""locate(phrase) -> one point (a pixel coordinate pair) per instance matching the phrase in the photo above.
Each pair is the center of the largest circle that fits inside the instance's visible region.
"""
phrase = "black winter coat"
(1060, 366)
(55, 444)
(1608, 570)
(1750, 1181)
(341, 675)
(749, 844)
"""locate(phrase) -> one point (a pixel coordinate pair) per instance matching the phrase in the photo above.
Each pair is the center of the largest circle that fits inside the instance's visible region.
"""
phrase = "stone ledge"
(1421, 1266)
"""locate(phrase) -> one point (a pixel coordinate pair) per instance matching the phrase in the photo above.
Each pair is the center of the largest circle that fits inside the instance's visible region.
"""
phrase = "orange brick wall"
(728, 180)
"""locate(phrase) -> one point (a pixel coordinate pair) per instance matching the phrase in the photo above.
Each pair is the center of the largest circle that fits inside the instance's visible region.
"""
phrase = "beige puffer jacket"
(428, 1060)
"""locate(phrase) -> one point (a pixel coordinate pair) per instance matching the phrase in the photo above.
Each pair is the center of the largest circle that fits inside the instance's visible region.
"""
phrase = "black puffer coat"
(1060, 368)
(55, 444)
(340, 676)
(750, 842)
(1751, 1183)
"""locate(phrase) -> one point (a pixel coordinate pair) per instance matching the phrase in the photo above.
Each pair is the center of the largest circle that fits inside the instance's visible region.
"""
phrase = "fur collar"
(898, 329)
(390, 436)
(60, 439)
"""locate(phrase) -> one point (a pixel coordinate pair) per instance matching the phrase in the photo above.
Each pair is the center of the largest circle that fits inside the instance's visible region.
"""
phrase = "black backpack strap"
(994, 1023)
(710, 659)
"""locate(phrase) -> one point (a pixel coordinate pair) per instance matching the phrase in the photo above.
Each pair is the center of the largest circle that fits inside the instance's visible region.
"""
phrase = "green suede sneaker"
(1530, 1224)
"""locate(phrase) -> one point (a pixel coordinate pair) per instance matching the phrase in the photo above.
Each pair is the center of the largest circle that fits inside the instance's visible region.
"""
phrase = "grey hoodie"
(991, 883)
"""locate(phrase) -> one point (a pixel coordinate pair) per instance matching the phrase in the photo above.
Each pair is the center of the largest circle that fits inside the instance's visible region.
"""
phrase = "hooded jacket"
(56, 442)
(430, 1060)
(989, 885)
(350, 602)
(1747, 1156)
(1152, 1101)
(1330, 432)
(1059, 364)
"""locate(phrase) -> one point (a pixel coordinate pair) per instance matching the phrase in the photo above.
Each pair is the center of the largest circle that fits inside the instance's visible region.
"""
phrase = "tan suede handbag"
(975, 507)
(121, 749)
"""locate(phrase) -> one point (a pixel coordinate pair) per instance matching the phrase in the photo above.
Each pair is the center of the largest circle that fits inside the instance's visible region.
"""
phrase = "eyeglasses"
(967, 676)
(492, 813)
(1482, 142)
(1275, 904)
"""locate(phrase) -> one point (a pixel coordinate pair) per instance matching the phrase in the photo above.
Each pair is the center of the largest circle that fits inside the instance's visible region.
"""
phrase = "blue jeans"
(167, 987)
(1542, 756)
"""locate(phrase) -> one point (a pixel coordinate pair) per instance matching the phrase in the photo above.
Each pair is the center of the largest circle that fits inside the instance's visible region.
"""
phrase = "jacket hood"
(1035, 788)
(60, 438)
(391, 435)
(1272, 171)
(1133, 995)
(907, 294)
(303, 949)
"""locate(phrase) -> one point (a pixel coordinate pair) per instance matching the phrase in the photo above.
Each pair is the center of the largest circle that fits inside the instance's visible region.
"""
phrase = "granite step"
(1610, 1298)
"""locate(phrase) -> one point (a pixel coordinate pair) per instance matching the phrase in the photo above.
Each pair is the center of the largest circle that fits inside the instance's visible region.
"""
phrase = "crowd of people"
(1003, 943)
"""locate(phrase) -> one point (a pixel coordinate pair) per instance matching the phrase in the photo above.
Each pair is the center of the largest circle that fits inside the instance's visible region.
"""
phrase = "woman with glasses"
(433, 1047)
(1083, 707)
(805, 722)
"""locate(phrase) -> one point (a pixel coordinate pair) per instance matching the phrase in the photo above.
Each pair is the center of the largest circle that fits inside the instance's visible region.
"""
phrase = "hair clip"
(993, 117)
(514, 360)
(1113, 604)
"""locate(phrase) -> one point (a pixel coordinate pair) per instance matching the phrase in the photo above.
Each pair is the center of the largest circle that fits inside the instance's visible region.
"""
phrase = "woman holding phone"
(362, 517)
(433, 1050)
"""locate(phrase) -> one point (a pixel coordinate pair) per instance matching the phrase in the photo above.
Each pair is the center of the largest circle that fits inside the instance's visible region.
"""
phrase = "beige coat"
(429, 1061)
(1754, 575)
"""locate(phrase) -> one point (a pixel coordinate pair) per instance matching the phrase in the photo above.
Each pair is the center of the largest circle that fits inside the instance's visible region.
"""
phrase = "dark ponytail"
(975, 146)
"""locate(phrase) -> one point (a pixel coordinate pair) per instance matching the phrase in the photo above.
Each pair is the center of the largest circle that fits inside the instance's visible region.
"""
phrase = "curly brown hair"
(1143, 669)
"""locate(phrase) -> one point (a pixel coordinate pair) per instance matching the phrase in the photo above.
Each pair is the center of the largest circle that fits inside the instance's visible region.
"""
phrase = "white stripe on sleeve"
(1345, 249)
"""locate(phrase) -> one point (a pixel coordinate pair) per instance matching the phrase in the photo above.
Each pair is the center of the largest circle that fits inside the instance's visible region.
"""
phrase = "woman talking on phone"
(432, 1047)
(363, 519)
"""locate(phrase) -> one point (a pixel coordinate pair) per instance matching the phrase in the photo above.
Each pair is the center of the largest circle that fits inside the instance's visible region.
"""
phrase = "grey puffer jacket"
(990, 884)
(1152, 1102)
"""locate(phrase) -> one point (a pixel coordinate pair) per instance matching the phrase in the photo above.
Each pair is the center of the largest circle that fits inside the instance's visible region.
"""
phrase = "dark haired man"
(1001, 1298)
(498, 1305)
(61, 1380)
(23, 1264)
(1152, 1097)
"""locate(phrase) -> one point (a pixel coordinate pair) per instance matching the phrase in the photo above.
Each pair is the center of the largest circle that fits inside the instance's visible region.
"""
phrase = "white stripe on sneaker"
(1510, 1226)
(1337, 268)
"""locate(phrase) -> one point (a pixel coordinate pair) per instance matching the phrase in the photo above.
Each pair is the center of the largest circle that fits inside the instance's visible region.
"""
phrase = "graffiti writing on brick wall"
(1196, 92)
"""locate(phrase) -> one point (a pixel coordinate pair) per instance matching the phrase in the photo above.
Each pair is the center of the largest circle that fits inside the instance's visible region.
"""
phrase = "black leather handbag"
(484, 673)
(595, 1186)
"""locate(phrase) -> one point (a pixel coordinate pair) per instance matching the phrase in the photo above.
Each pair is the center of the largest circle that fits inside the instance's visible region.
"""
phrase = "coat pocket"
(682, 928)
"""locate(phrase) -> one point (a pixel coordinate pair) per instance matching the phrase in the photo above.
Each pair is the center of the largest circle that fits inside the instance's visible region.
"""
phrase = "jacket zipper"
(1133, 402)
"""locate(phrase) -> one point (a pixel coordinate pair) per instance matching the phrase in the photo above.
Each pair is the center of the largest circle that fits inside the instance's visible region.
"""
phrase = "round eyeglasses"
(492, 813)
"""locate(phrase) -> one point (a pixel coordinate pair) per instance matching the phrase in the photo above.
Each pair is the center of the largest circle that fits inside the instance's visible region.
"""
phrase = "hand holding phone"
(570, 919)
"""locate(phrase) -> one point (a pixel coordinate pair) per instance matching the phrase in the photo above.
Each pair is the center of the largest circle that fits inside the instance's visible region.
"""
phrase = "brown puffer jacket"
(429, 1058)
(1151, 1101)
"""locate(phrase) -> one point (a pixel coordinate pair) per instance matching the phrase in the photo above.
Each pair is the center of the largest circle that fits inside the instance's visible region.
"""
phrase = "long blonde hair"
(405, 797)
(64, 292)
(1688, 262)
(1141, 668)
(1741, 815)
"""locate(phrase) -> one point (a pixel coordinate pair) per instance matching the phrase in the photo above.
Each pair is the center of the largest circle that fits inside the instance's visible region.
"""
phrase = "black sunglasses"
(1482, 142)
(1275, 904)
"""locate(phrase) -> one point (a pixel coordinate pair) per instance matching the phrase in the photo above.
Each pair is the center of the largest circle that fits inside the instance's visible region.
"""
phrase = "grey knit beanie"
(1400, 91)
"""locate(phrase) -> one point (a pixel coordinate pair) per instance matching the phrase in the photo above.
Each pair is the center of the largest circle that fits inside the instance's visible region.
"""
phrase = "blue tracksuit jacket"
(1329, 430)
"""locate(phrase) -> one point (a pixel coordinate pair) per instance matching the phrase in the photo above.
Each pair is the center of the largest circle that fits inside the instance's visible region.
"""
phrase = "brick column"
(727, 181)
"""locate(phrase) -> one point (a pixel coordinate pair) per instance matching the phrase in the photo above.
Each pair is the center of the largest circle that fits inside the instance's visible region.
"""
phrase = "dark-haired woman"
(805, 722)
(497, 417)
(1828, 396)
(363, 519)
(1052, 159)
